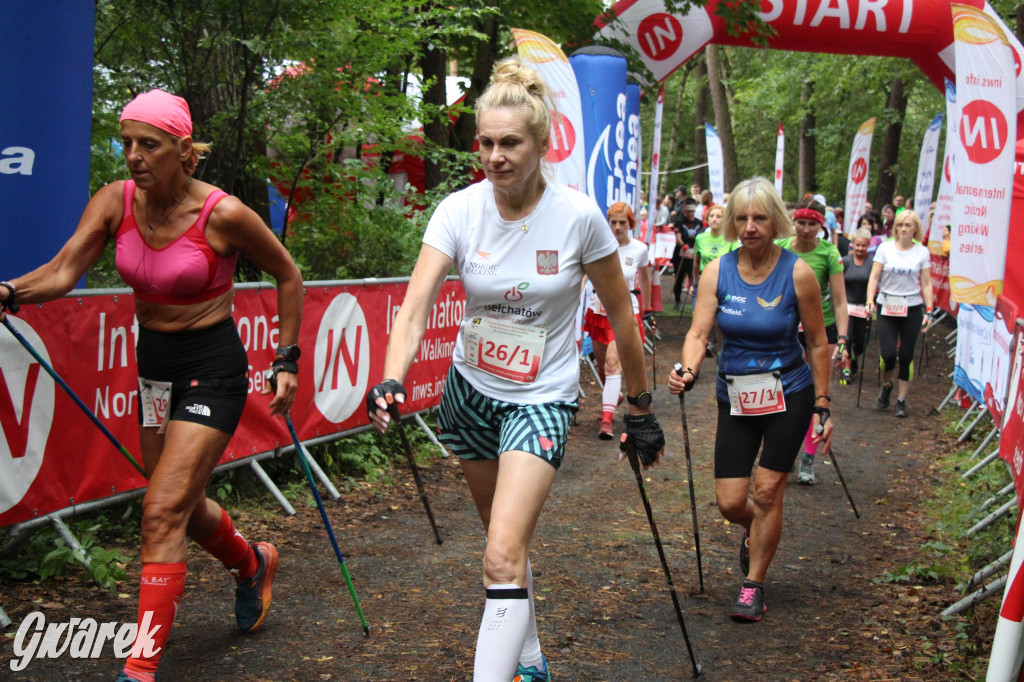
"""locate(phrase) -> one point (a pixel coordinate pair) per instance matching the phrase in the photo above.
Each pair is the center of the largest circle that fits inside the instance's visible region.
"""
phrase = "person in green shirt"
(709, 245)
(823, 257)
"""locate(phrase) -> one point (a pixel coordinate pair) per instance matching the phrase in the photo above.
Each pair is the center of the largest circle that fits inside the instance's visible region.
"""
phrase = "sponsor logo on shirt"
(729, 298)
(547, 262)
(516, 292)
(480, 269)
(769, 305)
(731, 311)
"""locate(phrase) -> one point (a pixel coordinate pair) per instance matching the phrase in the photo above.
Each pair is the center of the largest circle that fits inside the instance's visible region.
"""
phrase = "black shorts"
(739, 438)
(208, 368)
(831, 334)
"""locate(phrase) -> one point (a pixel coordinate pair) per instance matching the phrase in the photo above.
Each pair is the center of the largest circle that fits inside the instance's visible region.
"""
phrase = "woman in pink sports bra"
(177, 240)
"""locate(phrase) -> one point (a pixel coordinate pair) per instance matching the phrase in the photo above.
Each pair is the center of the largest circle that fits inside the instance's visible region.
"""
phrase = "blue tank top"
(759, 323)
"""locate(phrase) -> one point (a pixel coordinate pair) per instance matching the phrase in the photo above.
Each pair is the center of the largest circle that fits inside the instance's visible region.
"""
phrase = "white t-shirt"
(529, 278)
(901, 271)
(661, 216)
(632, 257)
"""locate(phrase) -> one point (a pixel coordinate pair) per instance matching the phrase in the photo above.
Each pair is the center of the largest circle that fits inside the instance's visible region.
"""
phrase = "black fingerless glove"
(648, 438)
(680, 372)
(649, 318)
(382, 390)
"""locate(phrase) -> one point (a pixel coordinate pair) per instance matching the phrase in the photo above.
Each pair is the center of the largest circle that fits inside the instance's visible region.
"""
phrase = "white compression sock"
(502, 631)
(610, 396)
(531, 654)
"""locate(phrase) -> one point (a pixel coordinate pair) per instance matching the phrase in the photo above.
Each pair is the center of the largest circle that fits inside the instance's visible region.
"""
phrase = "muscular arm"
(808, 296)
(54, 279)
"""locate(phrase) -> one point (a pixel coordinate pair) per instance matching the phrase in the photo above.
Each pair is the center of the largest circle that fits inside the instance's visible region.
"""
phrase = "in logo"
(659, 36)
(341, 359)
(26, 414)
(983, 131)
(563, 138)
(859, 171)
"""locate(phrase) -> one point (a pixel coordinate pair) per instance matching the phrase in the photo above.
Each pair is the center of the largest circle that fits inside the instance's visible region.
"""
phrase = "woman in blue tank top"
(766, 392)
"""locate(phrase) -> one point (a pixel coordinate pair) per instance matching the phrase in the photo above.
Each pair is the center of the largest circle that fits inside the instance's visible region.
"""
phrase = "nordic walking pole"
(78, 401)
(689, 474)
(819, 429)
(634, 463)
(839, 472)
(397, 417)
(323, 515)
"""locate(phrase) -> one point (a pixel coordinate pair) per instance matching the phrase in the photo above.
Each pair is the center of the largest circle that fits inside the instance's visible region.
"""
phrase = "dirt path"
(603, 608)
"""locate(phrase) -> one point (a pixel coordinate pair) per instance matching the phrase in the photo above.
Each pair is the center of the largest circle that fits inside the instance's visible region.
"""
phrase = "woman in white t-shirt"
(522, 245)
(901, 275)
(633, 258)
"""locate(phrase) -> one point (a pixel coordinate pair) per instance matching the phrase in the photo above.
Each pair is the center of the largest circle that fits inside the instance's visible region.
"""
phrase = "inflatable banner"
(653, 201)
(780, 159)
(634, 149)
(857, 176)
(925, 186)
(567, 153)
(52, 456)
(601, 77)
(46, 57)
(716, 171)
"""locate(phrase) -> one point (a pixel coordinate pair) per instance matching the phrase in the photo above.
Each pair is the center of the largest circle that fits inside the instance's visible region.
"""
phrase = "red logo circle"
(659, 35)
(859, 171)
(563, 138)
(983, 131)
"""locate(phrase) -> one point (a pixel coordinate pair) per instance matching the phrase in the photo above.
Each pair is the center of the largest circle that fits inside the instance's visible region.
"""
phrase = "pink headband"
(162, 110)
(808, 214)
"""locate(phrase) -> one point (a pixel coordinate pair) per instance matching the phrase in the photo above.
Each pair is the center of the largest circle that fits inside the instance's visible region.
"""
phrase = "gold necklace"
(167, 215)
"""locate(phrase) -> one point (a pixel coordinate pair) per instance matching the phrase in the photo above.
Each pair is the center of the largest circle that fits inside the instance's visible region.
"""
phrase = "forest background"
(315, 95)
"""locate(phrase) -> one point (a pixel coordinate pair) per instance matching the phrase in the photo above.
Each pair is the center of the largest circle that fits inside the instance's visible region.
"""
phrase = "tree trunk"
(723, 117)
(807, 168)
(700, 114)
(1020, 23)
(666, 180)
(483, 62)
(435, 126)
(889, 168)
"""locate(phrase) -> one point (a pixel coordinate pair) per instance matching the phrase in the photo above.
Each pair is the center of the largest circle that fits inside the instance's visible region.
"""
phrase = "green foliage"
(46, 554)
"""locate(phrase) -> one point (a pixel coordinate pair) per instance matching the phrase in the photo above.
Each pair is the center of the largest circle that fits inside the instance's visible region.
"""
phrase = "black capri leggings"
(857, 332)
(739, 438)
(898, 336)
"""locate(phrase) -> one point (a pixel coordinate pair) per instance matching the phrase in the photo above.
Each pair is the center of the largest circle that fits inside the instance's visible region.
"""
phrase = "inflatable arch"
(919, 30)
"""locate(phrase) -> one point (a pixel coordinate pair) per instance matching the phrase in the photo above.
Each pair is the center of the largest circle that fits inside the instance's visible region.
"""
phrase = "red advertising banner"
(52, 456)
(1011, 435)
(940, 284)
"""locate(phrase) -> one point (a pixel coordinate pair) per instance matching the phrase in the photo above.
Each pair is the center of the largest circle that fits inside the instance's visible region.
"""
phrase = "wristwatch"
(290, 353)
(643, 401)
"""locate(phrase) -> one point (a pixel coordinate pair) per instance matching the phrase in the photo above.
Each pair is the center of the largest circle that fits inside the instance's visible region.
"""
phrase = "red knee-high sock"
(160, 595)
(228, 545)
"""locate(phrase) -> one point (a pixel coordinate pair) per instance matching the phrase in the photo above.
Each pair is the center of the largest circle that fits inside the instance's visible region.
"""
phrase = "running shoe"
(252, 597)
(847, 378)
(606, 432)
(532, 674)
(745, 552)
(806, 474)
(901, 408)
(883, 397)
(750, 606)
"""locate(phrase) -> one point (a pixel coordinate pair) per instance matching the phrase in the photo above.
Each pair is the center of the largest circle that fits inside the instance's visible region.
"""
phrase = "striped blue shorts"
(477, 427)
